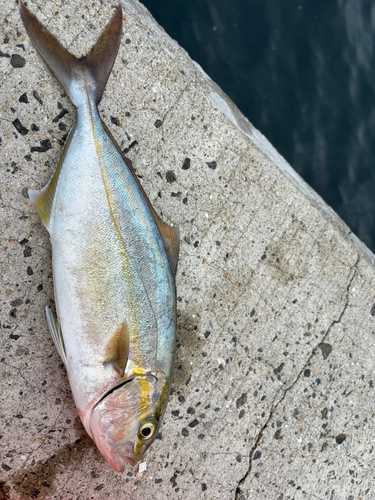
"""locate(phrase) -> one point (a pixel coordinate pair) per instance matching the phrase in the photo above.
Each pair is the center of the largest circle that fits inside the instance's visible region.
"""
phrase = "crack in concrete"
(5, 120)
(19, 371)
(3, 205)
(179, 98)
(258, 437)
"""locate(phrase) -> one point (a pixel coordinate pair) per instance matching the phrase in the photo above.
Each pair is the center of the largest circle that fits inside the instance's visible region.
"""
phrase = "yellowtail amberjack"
(114, 264)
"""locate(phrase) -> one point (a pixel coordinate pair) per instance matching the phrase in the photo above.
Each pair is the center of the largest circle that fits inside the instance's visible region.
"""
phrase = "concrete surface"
(274, 386)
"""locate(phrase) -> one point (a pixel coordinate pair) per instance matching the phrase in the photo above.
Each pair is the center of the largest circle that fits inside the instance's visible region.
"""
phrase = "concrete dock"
(274, 390)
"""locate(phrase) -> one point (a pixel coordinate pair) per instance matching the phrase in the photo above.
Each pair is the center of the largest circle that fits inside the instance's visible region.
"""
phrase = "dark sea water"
(303, 72)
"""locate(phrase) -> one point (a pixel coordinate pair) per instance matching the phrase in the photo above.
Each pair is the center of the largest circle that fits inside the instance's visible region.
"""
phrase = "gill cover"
(125, 422)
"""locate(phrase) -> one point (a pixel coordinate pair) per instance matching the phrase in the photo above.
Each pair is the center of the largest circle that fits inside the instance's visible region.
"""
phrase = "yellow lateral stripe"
(144, 397)
(163, 395)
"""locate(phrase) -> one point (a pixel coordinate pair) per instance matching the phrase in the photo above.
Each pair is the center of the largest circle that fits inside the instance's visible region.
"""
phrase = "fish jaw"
(116, 457)
(125, 423)
(118, 460)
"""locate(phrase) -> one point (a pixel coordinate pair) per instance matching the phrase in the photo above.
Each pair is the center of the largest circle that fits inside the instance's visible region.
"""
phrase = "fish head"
(125, 422)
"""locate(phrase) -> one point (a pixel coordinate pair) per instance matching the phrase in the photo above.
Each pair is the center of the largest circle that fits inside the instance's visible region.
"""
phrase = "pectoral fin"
(117, 349)
(55, 330)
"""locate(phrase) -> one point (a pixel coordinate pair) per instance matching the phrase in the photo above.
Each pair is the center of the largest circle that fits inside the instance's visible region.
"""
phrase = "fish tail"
(88, 74)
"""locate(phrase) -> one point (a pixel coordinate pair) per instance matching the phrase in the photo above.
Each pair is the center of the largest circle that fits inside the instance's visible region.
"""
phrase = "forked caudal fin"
(90, 72)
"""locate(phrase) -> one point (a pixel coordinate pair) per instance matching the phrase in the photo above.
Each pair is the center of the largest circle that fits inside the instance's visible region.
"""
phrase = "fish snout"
(117, 459)
(117, 462)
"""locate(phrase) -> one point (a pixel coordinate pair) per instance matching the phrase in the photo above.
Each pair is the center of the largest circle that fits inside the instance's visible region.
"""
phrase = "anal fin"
(43, 199)
(56, 334)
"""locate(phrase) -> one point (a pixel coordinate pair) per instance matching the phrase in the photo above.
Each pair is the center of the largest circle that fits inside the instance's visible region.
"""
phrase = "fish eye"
(146, 430)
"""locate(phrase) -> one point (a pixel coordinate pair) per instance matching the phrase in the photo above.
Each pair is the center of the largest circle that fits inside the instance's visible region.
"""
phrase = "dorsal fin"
(117, 349)
(169, 235)
(171, 240)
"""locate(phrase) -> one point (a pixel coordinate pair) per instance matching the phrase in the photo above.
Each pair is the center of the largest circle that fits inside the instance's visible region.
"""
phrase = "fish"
(114, 264)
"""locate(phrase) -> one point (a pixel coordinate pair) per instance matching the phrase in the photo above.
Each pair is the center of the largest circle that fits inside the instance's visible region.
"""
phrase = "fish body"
(114, 263)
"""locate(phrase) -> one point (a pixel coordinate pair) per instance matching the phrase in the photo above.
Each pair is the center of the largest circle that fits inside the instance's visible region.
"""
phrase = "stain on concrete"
(37, 480)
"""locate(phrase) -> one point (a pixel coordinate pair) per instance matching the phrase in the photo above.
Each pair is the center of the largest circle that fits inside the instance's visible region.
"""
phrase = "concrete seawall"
(274, 391)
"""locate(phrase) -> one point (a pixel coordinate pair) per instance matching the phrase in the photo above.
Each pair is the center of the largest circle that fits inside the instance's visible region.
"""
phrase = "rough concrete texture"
(274, 388)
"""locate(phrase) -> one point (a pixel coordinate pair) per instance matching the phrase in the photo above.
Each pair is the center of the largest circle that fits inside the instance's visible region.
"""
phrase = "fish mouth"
(117, 461)
(120, 455)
